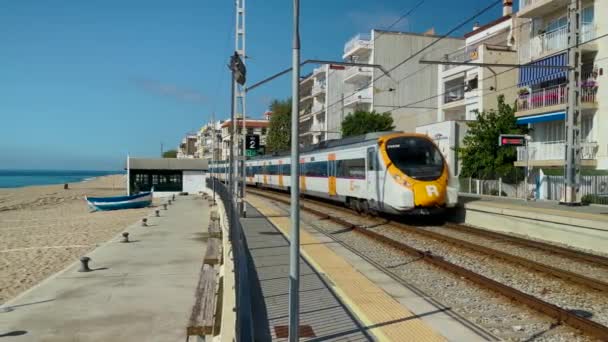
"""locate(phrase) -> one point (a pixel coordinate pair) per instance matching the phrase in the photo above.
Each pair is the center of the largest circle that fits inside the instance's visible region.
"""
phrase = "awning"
(542, 118)
(528, 76)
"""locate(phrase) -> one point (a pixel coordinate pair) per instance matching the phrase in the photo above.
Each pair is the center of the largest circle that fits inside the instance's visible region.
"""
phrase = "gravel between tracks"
(504, 318)
(582, 267)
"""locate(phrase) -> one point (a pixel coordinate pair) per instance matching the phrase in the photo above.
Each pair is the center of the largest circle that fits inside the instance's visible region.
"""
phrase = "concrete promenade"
(138, 291)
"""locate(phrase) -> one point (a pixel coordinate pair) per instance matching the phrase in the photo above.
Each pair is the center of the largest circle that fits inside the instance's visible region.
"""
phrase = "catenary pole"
(213, 160)
(572, 171)
(231, 168)
(294, 248)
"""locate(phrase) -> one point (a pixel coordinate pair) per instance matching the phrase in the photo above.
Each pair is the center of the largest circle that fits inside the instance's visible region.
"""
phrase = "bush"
(595, 199)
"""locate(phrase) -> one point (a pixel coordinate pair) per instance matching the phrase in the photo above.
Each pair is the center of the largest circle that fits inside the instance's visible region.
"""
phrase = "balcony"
(453, 94)
(553, 153)
(357, 45)
(317, 108)
(556, 40)
(318, 89)
(357, 74)
(361, 97)
(462, 55)
(536, 8)
(542, 99)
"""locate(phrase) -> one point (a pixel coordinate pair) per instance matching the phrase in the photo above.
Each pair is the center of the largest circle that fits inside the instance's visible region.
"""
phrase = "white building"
(465, 90)
(543, 39)
(187, 148)
(253, 127)
(209, 138)
(313, 111)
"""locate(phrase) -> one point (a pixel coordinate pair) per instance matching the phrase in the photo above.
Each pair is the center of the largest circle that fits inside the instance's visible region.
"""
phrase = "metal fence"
(244, 318)
(593, 188)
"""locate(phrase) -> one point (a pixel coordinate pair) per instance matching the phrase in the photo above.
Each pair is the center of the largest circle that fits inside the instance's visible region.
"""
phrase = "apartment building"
(408, 91)
(465, 90)
(313, 111)
(253, 126)
(187, 148)
(209, 142)
(543, 93)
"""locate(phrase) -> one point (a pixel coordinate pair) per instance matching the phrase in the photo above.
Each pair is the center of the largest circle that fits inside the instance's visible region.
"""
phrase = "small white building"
(166, 175)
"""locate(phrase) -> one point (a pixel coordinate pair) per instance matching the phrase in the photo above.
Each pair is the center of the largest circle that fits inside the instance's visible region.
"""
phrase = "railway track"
(387, 234)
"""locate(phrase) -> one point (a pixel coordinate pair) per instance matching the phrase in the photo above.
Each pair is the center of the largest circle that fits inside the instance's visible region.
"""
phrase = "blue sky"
(83, 83)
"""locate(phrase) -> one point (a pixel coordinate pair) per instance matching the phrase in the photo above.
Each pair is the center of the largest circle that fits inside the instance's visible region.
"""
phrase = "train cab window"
(417, 157)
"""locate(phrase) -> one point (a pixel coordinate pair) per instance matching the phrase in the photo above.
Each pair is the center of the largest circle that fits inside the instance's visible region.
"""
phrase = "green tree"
(361, 122)
(480, 154)
(170, 154)
(279, 129)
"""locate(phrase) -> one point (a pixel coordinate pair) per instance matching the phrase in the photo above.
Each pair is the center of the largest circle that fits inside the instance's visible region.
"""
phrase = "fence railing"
(557, 95)
(244, 313)
(593, 189)
(549, 41)
(492, 187)
(554, 150)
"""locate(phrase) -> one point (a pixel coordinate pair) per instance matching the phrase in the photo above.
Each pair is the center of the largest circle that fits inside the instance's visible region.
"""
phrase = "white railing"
(317, 107)
(352, 71)
(544, 97)
(318, 88)
(317, 127)
(549, 41)
(587, 32)
(361, 96)
(557, 95)
(364, 40)
(554, 150)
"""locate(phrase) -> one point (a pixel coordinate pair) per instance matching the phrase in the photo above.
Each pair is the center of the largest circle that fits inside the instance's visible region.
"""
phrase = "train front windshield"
(418, 158)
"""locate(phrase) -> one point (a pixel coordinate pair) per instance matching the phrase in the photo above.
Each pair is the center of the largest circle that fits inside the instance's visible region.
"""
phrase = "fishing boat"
(140, 200)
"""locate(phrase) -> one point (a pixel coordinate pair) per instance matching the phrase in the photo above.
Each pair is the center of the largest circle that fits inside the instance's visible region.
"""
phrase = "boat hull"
(122, 202)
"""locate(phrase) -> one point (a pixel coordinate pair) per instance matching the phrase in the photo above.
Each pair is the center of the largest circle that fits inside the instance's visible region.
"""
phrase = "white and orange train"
(391, 172)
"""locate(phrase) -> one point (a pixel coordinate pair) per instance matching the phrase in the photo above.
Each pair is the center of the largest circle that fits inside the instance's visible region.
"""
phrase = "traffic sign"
(252, 142)
(512, 140)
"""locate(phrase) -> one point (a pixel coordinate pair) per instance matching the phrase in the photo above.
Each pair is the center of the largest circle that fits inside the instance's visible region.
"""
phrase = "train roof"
(331, 144)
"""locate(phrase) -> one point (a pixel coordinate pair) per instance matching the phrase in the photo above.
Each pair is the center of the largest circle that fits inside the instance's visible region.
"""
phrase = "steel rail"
(554, 311)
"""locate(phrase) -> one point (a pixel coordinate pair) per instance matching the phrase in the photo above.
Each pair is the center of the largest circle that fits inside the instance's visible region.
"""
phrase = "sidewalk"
(143, 290)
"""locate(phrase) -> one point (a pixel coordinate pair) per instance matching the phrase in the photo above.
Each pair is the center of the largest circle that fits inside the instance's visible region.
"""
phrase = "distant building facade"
(187, 148)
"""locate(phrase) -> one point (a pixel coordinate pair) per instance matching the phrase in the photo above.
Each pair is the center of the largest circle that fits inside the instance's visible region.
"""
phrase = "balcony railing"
(362, 71)
(453, 94)
(317, 107)
(556, 95)
(363, 40)
(549, 41)
(318, 88)
(554, 150)
(462, 55)
(361, 96)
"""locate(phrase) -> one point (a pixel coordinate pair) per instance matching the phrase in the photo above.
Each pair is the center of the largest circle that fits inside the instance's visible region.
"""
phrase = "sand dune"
(45, 228)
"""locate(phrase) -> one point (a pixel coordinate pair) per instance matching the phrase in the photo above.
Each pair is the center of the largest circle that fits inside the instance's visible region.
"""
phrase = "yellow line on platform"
(385, 318)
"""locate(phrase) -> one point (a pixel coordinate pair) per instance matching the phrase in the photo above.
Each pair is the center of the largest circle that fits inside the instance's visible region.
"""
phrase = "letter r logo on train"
(431, 190)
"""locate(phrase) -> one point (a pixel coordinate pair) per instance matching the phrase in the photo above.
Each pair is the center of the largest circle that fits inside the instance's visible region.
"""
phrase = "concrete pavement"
(143, 290)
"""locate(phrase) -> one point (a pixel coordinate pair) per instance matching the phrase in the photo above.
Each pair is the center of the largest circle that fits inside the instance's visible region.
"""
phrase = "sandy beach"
(45, 228)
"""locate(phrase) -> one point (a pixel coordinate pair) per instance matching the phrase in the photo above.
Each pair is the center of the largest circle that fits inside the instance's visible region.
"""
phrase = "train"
(382, 172)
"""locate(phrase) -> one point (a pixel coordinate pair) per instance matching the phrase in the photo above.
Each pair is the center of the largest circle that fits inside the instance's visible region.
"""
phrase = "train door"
(371, 174)
(331, 175)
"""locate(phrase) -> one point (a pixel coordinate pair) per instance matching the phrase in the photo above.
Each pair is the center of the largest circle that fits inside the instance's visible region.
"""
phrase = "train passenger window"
(286, 169)
(315, 169)
(351, 168)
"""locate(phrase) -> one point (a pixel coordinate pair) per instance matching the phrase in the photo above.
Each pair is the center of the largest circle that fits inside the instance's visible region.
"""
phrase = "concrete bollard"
(84, 264)
(169, 202)
(157, 212)
(144, 222)
(165, 206)
(125, 237)
(173, 197)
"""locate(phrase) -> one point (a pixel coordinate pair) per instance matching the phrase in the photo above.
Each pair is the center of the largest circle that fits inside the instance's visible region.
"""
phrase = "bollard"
(125, 237)
(144, 222)
(169, 202)
(157, 213)
(66, 186)
(173, 198)
(84, 264)
(165, 206)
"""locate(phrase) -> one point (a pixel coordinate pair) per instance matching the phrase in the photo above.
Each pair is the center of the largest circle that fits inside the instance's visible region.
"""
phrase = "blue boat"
(140, 200)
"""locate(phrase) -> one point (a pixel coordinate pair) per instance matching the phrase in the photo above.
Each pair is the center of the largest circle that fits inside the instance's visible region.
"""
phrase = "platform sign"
(251, 153)
(252, 142)
(512, 140)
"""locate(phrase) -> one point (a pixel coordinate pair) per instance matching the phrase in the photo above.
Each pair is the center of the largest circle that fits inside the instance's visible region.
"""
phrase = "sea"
(21, 178)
